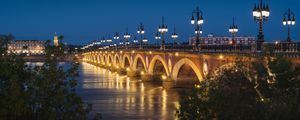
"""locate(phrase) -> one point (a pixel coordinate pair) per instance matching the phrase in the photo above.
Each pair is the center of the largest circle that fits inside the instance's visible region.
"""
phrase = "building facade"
(29, 47)
(216, 40)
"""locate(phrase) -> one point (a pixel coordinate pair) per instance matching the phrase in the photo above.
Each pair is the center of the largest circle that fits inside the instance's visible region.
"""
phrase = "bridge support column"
(168, 84)
(121, 71)
(131, 73)
(147, 77)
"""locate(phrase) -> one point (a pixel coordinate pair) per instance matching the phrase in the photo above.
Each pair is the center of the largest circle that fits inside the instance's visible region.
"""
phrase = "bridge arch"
(180, 64)
(117, 60)
(102, 59)
(110, 59)
(94, 58)
(139, 58)
(98, 59)
(154, 61)
(126, 61)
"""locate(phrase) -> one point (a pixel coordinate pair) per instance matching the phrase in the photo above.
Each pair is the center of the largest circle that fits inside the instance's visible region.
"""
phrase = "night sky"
(82, 21)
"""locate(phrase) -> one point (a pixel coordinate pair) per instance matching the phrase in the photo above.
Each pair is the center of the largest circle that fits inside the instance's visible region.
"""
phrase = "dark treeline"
(268, 89)
(46, 92)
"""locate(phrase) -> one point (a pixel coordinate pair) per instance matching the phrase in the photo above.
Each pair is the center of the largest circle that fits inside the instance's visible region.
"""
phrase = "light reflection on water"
(118, 97)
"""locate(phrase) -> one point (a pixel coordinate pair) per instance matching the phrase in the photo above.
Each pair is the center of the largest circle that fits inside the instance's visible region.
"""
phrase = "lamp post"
(289, 20)
(163, 29)
(109, 41)
(127, 36)
(261, 13)
(233, 29)
(103, 42)
(174, 36)
(157, 37)
(135, 41)
(197, 20)
(145, 40)
(116, 38)
(141, 31)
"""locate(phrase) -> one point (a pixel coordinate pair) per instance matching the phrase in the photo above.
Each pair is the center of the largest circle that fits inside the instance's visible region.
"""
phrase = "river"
(117, 97)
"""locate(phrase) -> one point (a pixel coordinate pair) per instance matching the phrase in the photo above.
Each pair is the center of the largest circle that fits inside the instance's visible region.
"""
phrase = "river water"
(117, 97)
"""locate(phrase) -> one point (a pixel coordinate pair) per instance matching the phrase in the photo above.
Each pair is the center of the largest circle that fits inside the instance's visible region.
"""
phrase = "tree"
(4, 41)
(40, 92)
(61, 38)
(285, 90)
(265, 91)
(228, 95)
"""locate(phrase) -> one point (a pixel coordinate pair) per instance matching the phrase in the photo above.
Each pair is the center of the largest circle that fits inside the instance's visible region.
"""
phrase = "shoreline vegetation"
(46, 92)
(263, 90)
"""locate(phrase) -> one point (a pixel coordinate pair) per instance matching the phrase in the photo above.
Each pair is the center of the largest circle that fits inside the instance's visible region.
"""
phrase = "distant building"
(216, 40)
(55, 40)
(29, 47)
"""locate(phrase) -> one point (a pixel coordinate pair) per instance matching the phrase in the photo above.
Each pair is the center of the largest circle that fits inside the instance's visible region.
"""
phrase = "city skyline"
(81, 22)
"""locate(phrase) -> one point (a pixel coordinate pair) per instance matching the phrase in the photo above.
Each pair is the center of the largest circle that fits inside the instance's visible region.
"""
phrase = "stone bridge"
(176, 68)
(179, 68)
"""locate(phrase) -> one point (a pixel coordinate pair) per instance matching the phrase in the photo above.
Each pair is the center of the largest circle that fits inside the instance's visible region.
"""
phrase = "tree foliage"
(263, 90)
(4, 41)
(46, 92)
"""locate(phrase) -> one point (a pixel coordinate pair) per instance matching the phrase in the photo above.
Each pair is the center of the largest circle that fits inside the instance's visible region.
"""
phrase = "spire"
(55, 40)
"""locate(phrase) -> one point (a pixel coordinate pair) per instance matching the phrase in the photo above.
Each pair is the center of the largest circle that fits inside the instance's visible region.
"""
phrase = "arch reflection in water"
(118, 97)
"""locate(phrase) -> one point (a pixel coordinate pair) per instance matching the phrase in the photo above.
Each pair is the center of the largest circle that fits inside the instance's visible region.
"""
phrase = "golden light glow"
(230, 42)
(176, 54)
(197, 86)
(133, 52)
(150, 52)
(221, 57)
(121, 51)
(117, 67)
(142, 73)
(128, 69)
(164, 77)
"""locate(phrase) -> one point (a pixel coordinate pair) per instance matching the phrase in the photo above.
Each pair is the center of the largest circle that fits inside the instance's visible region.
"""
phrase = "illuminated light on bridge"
(221, 56)
(164, 77)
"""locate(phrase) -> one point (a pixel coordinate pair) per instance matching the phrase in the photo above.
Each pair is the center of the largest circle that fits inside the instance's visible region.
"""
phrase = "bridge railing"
(248, 50)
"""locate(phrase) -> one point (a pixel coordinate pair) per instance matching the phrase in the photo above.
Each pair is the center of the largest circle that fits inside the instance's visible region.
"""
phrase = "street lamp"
(141, 31)
(261, 13)
(103, 42)
(163, 29)
(109, 41)
(157, 36)
(145, 40)
(233, 29)
(116, 38)
(127, 36)
(289, 20)
(135, 40)
(197, 20)
(174, 36)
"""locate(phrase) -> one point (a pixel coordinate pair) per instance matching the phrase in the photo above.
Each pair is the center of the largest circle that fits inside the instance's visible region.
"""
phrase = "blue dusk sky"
(82, 21)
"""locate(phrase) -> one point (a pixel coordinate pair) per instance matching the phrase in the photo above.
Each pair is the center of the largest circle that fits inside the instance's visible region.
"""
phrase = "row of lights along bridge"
(261, 13)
